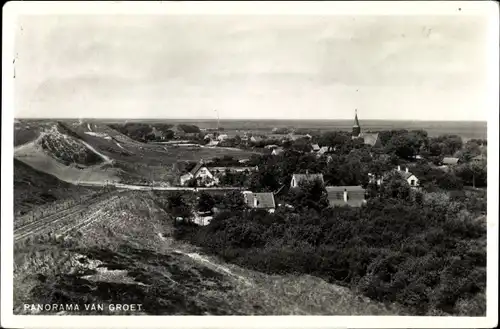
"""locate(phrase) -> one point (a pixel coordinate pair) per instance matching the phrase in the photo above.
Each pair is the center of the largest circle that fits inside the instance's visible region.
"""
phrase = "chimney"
(307, 171)
(406, 169)
(345, 195)
(255, 202)
(399, 167)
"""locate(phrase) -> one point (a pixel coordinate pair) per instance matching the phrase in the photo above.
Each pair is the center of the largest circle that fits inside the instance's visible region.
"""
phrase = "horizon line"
(236, 119)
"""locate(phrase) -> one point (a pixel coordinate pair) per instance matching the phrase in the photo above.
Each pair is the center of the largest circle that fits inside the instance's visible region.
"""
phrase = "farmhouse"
(352, 196)
(298, 179)
(260, 200)
(201, 173)
(406, 175)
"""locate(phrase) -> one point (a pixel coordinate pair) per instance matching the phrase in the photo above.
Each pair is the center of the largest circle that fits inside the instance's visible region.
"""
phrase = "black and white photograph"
(229, 159)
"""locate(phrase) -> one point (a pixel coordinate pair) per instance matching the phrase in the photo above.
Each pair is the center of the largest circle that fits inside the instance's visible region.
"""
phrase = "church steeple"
(356, 129)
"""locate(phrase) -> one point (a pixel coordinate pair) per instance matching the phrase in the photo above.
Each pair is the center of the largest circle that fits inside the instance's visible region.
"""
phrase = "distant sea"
(465, 129)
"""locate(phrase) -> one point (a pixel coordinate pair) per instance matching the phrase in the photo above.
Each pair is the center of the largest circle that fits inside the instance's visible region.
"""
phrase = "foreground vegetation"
(427, 255)
(129, 257)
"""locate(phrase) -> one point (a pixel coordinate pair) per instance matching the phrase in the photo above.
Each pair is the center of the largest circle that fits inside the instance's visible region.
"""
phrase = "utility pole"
(217, 112)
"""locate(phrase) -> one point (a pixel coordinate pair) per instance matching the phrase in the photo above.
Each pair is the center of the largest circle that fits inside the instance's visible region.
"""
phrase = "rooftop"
(355, 196)
(264, 200)
(450, 160)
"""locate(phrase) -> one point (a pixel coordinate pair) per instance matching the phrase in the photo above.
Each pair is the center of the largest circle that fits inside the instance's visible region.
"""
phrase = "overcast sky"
(281, 67)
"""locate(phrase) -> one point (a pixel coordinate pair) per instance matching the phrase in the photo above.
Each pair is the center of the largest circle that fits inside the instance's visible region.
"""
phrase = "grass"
(123, 259)
(33, 189)
(134, 162)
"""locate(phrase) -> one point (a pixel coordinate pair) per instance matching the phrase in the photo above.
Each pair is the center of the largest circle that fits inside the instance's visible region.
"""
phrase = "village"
(229, 172)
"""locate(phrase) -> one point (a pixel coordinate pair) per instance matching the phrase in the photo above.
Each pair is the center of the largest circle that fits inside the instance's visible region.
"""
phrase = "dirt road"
(156, 188)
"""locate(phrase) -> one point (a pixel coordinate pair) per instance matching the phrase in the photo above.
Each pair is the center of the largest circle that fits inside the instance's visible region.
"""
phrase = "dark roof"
(197, 167)
(405, 174)
(343, 188)
(300, 178)
(450, 160)
(264, 200)
(355, 195)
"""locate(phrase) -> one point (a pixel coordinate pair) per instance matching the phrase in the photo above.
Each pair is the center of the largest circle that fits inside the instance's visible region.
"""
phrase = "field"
(75, 151)
(467, 130)
(124, 253)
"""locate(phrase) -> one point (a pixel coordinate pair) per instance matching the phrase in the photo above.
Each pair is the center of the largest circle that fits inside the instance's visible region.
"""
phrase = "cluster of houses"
(352, 196)
(209, 176)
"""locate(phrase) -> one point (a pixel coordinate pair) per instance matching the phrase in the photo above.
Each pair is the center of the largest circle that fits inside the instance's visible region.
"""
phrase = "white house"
(406, 175)
(222, 137)
(201, 173)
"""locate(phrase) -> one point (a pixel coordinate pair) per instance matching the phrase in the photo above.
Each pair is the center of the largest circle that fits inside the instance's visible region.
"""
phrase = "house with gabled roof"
(352, 196)
(263, 201)
(298, 179)
(412, 180)
(201, 173)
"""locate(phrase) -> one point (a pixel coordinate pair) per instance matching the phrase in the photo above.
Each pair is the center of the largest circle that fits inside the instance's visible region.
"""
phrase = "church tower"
(356, 129)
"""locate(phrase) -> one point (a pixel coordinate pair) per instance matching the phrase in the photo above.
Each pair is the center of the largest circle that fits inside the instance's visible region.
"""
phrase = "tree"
(394, 186)
(474, 174)
(233, 201)
(333, 139)
(404, 146)
(177, 206)
(205, 202)
(309, 195)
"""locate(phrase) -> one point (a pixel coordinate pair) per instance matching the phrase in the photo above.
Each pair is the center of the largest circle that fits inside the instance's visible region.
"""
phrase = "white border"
(489, 10)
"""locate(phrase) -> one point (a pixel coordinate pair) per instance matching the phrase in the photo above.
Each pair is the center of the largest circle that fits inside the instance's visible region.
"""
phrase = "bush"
(425, 257)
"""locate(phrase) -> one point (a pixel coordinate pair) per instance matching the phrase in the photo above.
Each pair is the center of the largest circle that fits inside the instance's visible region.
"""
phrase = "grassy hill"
(127, 255)
(33, 188)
